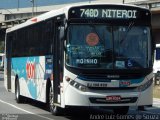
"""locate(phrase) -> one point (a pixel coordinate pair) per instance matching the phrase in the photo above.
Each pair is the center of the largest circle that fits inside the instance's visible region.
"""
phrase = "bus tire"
(121, 110)
(47, 94)
(55, 110)
(17, 92)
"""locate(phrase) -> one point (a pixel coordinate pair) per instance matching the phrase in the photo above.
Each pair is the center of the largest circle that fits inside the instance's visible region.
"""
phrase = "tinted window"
(109, 47)
(33, 41)
(157, 53)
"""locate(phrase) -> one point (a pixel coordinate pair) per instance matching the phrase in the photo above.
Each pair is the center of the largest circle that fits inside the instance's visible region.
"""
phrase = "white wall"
(2, 17)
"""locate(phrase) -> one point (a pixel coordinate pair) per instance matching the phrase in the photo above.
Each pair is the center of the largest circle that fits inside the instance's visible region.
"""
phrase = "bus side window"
(14, 45)
(48, 37)
(9, 45)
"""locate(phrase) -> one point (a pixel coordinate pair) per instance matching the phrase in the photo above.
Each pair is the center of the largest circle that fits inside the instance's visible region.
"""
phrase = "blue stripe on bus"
(125, 84)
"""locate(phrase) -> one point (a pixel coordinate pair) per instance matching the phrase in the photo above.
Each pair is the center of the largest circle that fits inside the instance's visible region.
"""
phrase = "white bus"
(156, 65)
(83, 55)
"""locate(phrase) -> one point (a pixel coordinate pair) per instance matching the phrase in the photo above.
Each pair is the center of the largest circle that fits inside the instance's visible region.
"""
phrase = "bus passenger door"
(57, 62)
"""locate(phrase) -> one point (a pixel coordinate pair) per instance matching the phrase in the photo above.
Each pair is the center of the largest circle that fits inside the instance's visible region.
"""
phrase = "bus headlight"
(76, 85)
(144, 86)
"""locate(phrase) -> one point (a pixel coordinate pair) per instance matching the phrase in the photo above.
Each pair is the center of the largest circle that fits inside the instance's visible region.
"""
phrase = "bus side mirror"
(65, 45)
(62, 36)
(61, 33)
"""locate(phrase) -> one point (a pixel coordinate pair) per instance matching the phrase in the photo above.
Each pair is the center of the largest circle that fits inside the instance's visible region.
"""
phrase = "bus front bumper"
(75, 97)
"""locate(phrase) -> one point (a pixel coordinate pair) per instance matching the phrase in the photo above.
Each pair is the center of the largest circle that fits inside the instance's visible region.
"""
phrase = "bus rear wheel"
(17, 92)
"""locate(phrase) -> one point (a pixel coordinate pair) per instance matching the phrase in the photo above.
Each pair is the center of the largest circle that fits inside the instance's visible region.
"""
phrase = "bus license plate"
(113, 98)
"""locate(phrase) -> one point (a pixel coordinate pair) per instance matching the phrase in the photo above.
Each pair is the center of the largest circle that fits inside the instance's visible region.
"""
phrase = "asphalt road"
(32, 110)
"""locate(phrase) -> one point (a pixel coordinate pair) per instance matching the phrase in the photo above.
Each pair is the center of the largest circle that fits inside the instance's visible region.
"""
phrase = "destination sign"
(108, 12)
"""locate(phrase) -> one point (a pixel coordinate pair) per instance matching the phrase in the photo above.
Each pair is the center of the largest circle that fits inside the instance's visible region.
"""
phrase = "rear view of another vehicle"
(1, 61)
(156, 66)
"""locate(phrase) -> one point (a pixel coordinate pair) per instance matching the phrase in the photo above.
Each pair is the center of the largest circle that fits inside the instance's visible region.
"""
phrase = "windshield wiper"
(128, 29)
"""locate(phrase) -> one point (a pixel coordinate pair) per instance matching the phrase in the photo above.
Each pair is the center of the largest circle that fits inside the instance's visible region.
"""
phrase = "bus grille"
(104, 101)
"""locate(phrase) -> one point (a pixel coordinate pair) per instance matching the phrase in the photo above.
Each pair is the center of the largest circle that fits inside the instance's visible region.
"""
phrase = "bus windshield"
(108, 47)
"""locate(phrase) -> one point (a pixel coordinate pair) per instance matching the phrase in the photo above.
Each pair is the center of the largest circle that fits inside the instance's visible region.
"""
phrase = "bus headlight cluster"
(144, 86)
(76, 84)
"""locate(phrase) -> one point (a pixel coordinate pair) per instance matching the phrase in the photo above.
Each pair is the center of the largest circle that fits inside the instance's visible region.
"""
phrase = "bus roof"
(57, 12)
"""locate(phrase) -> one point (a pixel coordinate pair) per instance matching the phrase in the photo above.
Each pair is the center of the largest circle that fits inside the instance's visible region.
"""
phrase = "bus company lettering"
(30, 70)
(86, 61)
(108, 13)
(125, 83)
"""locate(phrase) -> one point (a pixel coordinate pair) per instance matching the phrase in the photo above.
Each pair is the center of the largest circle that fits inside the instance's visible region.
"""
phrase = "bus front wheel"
(55, 110)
